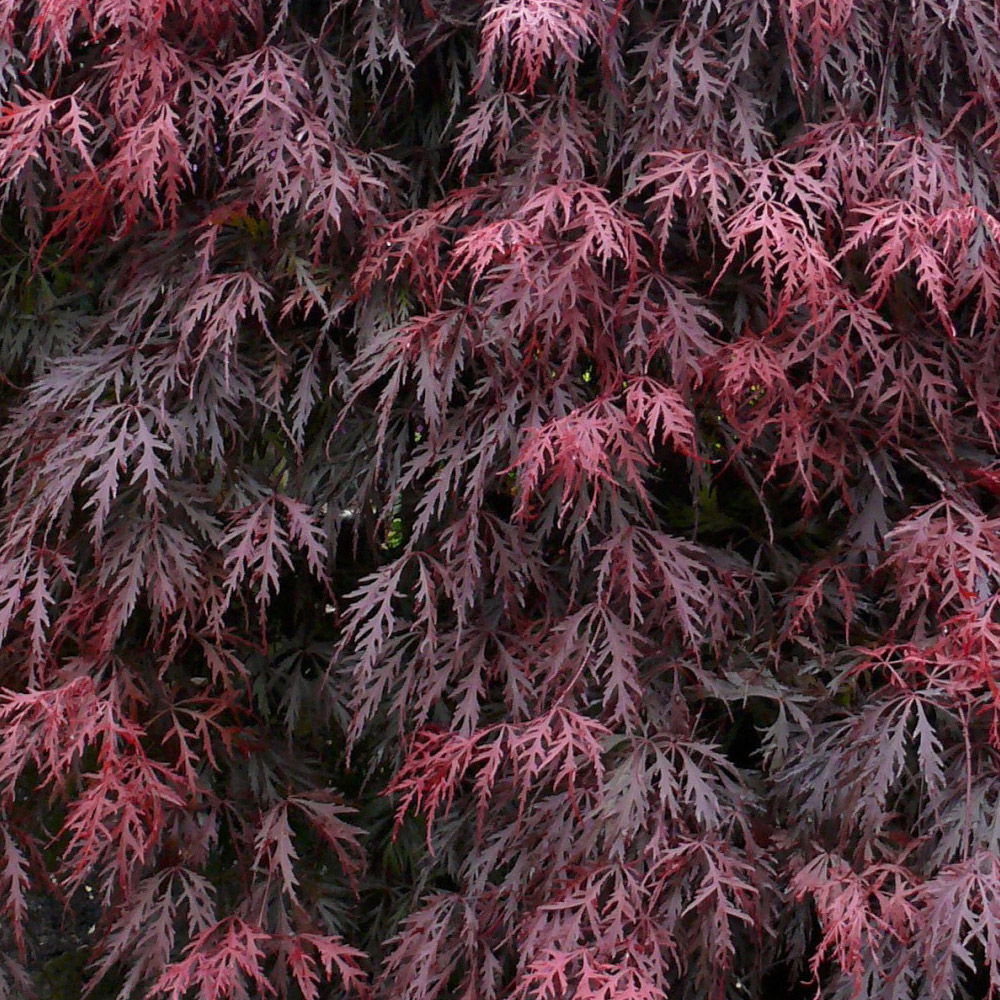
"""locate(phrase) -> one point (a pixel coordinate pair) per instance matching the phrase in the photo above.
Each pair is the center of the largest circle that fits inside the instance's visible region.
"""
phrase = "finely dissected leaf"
(223, 960)
(14, 879)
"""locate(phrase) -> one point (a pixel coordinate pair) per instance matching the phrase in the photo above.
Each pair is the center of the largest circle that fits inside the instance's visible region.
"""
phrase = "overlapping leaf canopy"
(499, 501)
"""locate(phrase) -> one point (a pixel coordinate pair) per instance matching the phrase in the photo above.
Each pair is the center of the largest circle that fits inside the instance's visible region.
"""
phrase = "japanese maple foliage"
(499, 501)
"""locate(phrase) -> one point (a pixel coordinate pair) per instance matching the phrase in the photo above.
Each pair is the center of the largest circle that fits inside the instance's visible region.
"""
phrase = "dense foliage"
(498, 501)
